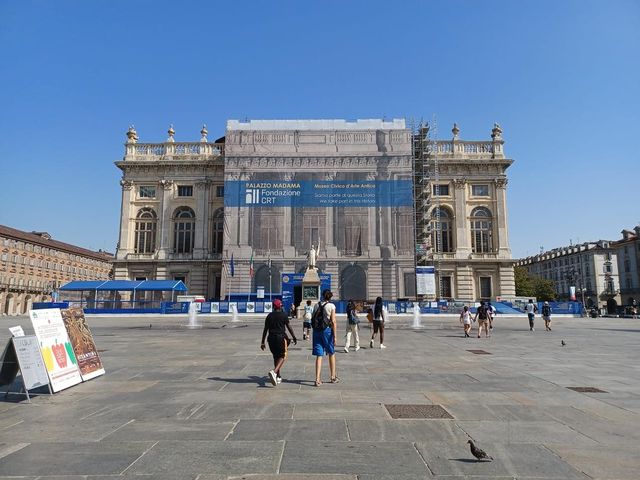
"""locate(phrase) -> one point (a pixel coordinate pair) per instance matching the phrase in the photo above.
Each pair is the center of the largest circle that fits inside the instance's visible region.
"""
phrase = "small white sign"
(34, 372)
(16, 331)
(251, 307)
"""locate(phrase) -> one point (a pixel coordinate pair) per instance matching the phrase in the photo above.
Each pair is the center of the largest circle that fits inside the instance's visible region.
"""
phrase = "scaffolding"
(426, 182)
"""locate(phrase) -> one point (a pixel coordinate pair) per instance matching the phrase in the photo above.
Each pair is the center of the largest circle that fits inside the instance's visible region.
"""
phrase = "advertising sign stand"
(22, 354)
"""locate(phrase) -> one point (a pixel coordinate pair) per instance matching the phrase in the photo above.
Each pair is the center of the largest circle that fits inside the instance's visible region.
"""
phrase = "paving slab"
(290, 430)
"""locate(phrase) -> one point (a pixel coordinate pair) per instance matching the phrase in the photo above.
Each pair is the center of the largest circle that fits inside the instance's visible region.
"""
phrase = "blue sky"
(561, 77)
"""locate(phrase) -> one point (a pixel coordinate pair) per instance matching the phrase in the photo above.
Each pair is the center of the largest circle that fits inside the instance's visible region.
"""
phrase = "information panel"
(426, 280)
(321, 193)
(34, 372)
(82, 342)
(57, 353)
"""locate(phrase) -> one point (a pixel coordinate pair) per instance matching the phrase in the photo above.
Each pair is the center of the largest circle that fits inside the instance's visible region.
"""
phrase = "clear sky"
(561, 77)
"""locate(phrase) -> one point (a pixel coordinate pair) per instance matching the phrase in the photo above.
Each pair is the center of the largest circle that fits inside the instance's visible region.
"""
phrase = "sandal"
(335, 379)
(317, 383)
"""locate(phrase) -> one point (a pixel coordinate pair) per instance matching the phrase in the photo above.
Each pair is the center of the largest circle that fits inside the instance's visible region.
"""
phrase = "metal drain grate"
(480, 352)
(587, 390)
(417, 411)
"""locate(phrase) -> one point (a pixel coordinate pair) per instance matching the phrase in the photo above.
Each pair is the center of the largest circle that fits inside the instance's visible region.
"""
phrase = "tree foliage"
(530, 286)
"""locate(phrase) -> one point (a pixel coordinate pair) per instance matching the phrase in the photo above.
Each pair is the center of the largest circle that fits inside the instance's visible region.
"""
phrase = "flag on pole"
(231, 267)
(251, 265)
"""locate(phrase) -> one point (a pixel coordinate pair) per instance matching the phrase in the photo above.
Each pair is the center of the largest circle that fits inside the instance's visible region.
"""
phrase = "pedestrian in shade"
(352, 326)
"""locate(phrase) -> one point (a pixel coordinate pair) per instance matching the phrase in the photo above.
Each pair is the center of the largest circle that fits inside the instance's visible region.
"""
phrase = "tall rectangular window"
(445, 287)
(220, 191)
(409, 284)
(185, 190)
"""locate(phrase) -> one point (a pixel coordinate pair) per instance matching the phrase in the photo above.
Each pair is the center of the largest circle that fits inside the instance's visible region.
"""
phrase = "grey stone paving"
(196, 404)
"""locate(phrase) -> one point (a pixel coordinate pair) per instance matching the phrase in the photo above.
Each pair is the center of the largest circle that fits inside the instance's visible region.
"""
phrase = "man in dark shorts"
(274, 325)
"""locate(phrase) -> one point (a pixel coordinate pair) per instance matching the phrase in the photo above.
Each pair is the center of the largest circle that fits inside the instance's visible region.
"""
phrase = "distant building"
(628, 255)
(590, 267)
(33, 266)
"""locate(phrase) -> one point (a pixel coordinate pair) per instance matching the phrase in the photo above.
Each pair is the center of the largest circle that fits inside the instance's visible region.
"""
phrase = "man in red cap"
(275, 324)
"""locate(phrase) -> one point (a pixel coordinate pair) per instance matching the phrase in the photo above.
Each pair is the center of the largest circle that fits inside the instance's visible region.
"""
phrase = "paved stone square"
(180, 403)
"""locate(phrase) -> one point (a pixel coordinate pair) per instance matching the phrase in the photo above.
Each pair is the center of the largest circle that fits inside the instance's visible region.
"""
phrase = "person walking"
(492, 313)
(275, 325)
(323, 322)
(546, 316)
(379, 317)
(531, 310)
(465, 320)
(352, 326)
(482, 315)
(306, 321)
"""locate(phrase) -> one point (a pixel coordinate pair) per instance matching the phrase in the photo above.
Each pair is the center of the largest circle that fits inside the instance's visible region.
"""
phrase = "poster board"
(32, 368)
(83, 344)
(426, 280)
(55, 346)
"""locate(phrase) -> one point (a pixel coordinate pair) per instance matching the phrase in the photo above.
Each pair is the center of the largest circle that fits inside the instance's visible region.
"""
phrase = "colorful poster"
(82, 342)
(57, 353)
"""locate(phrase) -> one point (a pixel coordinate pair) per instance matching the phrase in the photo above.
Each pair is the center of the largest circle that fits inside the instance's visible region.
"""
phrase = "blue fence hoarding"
(321, 193)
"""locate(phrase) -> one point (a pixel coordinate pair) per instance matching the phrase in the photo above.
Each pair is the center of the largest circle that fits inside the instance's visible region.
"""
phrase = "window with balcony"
(217, 231)
(184, 222)
(481, 230)
(441, 231)
(145, 232)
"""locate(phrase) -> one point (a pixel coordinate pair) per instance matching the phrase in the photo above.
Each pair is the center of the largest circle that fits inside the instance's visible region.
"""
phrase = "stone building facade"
(171, 223)
(254, 201)
(33, 266)
(591, 267)
(628, 255)
(466, 218)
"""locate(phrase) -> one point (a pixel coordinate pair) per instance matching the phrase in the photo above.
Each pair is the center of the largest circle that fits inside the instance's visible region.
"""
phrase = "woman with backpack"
(352, 326)
(379, 317)
(323, 322)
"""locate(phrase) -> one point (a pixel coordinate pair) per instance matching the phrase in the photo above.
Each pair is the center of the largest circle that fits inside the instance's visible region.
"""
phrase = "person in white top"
(379, 317)
(531, 309)
(465, 320)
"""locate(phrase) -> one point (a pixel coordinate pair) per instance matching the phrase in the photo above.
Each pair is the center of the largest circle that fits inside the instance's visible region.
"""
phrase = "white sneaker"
(346, 349)
(273, 378)
(371, 343)
(357, 347)
(278, 380)
(382, 345)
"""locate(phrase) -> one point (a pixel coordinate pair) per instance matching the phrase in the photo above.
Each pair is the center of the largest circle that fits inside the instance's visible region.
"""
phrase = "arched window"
(217, 231)
(261, 279)
(441, 232)
(146, 226)
(481, 226)
(353, 283)
(184, 222)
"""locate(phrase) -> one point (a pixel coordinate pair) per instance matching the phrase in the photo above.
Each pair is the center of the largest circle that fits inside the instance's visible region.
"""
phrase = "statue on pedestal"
(312, 255)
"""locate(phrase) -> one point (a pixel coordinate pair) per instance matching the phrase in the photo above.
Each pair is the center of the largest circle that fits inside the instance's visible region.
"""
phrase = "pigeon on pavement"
(563, 343)
(478, 452)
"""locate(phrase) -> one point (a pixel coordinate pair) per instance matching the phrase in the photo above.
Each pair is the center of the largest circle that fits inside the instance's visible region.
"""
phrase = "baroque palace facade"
(33, 266)
(244, 211)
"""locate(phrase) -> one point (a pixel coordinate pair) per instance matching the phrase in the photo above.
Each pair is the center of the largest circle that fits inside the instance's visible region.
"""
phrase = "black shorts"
(278, 346)
(378, 325)
(306, 324)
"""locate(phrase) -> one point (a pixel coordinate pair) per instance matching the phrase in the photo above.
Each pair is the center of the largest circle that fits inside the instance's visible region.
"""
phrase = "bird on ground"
(563, 343)
(478, 452)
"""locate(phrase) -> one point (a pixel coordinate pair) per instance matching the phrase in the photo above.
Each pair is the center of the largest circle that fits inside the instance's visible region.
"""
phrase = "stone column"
(126, 242)
(164, 220)
(462, 227)
(501, 244)
(244, 218)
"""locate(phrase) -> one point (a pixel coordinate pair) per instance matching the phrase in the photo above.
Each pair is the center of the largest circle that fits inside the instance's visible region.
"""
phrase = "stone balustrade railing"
(464, 148)
(157, 151)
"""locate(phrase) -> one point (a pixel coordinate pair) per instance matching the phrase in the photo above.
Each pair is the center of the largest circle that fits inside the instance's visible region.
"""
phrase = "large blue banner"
(322, 193)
